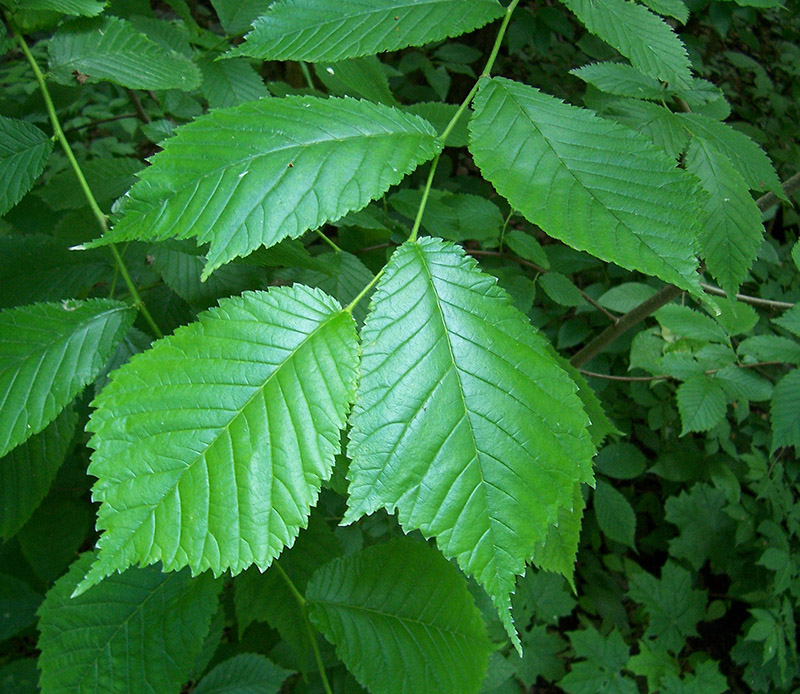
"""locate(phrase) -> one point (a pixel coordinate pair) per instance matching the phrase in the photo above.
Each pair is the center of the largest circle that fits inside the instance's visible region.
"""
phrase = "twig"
(745, 299)
(663, 296)
(665, 377)
(137, 104)
(93, 123)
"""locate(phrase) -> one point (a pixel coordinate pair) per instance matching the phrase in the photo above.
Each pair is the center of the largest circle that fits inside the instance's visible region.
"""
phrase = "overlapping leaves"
(595, 185)
(297, 163)
(211, 447)
(463, 422)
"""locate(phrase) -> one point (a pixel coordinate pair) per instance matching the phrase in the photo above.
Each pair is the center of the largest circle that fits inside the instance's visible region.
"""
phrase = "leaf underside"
(330, 30)
(595, 185)
(463, 422)
(138, 632)
(48, 353)
(395, 638)
(298, 162)
(210, 448)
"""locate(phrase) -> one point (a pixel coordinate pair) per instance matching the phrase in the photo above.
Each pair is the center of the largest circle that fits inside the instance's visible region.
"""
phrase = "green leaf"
(626, 296)
(743, 384)
(298, 162)
(670, 8)
(48, 353)
(82, 8)
(527, 247)
(660, 125)
(236, 16)
(559, 549)
(27, 471)
(230, 82)
(108, 179)
(18, 603)
(440, 115)
(138, 632)
(544, 596)
(337, 29)
(701, 403)
(785, 412)
(595, 185)
(601, 671)
(561, 289)
(771, 348)
(790, 320)
(706, 531)
(683, 321)
(110, 49)
(246, 673)
(222, 473)
(394, 637)
(644, 38)
(746, 156)
(706, 679)
(453, 426)
(673, 607)
(622, 80)
(359, 77)
(614, 513)
(732, 232)
(266, 597)
(24, 150)
(541, 656)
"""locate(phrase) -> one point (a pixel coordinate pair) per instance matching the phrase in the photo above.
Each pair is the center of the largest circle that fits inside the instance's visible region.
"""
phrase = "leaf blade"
(577, 176)
(330, 31)
(427, 445)
(24, 150)
(258, 390)
(319, 159)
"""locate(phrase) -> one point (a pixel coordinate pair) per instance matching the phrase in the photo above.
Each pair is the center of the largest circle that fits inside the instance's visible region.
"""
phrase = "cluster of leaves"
(369, 420)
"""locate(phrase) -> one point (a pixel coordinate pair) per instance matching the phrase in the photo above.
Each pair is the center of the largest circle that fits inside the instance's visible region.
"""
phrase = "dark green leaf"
(24, 150)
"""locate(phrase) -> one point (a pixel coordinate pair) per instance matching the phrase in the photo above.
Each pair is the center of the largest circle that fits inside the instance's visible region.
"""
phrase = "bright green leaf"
(683, 321)
(785, 412)
(641, 36)
(27, 471)
(463, 422)
(614, 513)
(596, 185)
(673, 607)
(109, 48)
(748, 158)
(24, 150)
(246, 673)
(48, 353)
(701, 402)
(732, 232)
(622, 80)
(298, 162)
(138, 632)
(394, 637)
(204, 449)
(315, 30)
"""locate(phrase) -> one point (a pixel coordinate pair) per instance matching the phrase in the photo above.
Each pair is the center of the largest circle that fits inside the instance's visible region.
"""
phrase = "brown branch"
(746, 299)
(93, 123)
(665, 377)
(137, 104)
(637, 314)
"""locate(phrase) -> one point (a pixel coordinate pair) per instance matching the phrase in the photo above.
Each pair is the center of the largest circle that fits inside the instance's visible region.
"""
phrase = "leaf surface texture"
(595, 185)
(210, 448)
(24, 150)
(322, 30)
(298, 162)
(48, 353)
(463, 422)
(394, 637)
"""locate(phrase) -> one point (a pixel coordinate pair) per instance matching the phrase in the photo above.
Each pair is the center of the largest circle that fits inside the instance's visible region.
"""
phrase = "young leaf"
(732, 232)
(298, 162)
(785, 412)
(48, 353)
(211, 447)
(395, 638)
(701, 402)
(138, 632)
(595, 185)
(315, 30)
(82, 8)
(745, 155)
(27, 471)
(453, 425)
(622, 80)
(641, 36)
(246, 673)
(24, 150)
(109, 48)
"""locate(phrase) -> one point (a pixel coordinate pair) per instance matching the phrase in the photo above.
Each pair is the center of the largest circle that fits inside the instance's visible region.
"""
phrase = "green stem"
(503, 230)
(452, 124)
(302, 603)
(327, 240)
(96, 211)
(307, 74)
(365, 291)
